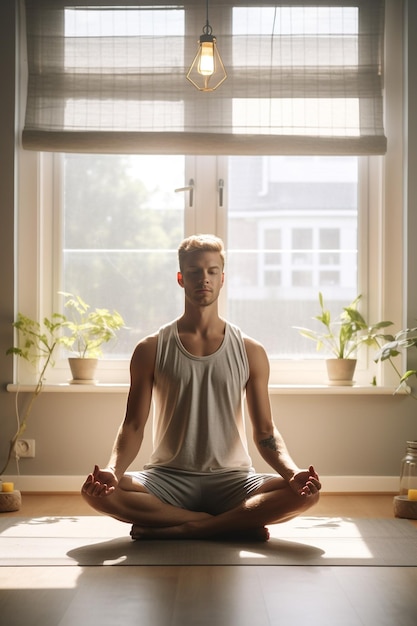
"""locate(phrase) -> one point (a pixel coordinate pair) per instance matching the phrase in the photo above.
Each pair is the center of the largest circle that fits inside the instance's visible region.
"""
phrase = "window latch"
(221, 187)
(190, 188)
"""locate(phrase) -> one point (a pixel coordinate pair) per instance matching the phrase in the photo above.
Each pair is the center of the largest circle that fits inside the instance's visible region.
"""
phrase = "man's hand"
(100, 483)
(306, 482)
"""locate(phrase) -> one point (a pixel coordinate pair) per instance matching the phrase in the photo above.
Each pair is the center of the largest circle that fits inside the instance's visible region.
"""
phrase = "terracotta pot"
(340, 371)
(83, 370)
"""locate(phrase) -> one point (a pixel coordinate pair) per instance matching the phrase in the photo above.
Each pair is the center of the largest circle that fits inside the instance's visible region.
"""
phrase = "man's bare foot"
(252, 534)
(165, 532)
(183, 532)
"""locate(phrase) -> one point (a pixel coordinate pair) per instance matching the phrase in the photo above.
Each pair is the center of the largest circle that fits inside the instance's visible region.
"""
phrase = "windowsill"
(356, 390)
(69, 388)
(273, 389)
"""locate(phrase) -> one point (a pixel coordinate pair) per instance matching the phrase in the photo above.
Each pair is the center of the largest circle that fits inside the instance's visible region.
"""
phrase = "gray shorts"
(209, 493)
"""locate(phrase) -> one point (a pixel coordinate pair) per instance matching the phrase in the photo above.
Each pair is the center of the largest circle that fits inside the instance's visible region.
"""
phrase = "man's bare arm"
(103, 482)
(130, 434)
(267, 438)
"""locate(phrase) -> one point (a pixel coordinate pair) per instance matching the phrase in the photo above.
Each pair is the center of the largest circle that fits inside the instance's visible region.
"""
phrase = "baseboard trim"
(331, 484)
(360, 484)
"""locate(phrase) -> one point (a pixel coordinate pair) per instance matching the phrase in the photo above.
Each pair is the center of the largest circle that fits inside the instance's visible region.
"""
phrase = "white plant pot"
(341, 371)
(83, 371)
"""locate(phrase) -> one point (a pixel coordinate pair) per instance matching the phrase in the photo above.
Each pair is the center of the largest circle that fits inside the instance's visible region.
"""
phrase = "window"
(122, 222)
(293, 225)
(290, 230)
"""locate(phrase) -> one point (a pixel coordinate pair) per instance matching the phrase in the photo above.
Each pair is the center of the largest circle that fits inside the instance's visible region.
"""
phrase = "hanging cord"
(207, 29)
(17, 458)
(270, 66)
(22, 423)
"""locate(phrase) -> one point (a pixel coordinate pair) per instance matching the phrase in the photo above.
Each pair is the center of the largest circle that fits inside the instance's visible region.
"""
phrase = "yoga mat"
(98, 540)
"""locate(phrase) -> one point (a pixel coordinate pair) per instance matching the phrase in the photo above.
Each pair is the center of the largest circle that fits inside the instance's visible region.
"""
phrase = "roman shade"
(108, 76)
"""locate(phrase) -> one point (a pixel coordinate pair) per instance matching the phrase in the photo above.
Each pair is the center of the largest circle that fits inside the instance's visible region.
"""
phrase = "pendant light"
(207, 70)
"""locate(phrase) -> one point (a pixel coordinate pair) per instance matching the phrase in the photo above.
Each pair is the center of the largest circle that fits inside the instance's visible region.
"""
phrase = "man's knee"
(308, 501)
(301, 503)
(97, 504)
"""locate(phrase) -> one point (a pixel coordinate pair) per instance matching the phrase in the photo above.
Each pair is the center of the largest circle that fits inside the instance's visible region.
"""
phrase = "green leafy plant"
(37, 345)
(86, 331)
(343, 336)
(403, 340)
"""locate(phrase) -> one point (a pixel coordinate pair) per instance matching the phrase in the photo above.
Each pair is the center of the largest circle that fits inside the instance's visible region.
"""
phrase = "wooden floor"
(209, 595)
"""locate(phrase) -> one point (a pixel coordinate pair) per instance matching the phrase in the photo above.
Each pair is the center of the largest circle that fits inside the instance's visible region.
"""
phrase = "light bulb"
(206, 65)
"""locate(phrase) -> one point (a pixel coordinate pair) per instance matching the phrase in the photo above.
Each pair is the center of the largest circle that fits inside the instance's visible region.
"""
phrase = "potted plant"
(342, 337)
(402, 340)
(37, 345)
(85, 332)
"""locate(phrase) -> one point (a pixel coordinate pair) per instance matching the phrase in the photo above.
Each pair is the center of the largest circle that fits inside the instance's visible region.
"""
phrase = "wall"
(7, 200)
(356, 441)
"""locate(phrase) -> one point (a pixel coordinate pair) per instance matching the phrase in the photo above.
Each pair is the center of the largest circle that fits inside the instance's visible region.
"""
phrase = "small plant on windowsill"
(401, 342)
(85, 332)
(37, 345)
(342, 338)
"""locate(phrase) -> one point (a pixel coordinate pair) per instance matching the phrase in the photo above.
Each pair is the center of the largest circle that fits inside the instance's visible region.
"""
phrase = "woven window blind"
(109, 76)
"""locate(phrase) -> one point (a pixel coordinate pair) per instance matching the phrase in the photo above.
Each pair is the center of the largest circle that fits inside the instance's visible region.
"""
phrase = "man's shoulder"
(255, 352)
(148, 345)
(168, 327)
(250, 343)
(152, 339)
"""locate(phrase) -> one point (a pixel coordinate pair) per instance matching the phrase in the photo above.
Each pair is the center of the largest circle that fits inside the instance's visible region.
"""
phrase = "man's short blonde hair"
(200, 243)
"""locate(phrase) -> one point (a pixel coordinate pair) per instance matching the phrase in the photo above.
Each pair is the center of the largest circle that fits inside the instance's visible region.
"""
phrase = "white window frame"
(382, 233)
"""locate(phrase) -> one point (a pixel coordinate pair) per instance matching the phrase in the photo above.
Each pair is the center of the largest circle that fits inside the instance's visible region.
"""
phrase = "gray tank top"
(198, 421)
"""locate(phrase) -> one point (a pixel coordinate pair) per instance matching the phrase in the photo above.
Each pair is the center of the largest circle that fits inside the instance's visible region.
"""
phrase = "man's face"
(202, 277)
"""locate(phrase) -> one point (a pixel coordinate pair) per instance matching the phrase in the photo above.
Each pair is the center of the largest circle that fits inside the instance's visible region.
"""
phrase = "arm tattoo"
(269, 443)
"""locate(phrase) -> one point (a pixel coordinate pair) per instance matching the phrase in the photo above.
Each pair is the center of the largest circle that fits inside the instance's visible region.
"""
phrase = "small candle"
(10, 487)
(412, 494)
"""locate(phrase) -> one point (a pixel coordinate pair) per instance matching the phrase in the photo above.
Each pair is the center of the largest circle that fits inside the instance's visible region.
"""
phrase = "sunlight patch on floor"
(244, 554)
(337, 537)
(117, 561)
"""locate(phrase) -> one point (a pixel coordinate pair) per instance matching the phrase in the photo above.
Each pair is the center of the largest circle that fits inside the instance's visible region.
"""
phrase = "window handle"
(221, 187)
(190, 188)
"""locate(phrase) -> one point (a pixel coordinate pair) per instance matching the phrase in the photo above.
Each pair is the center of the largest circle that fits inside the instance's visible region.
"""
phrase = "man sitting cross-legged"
(199, 482)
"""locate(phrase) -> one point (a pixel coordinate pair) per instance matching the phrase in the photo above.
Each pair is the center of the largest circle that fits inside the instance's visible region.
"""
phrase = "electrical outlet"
(25, 449)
